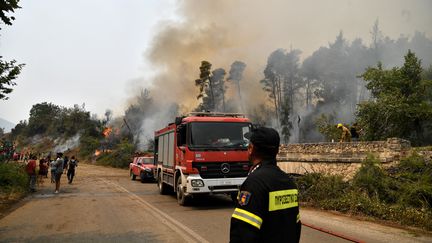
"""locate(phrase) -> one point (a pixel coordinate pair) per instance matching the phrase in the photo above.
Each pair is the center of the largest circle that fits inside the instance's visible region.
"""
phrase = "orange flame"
(97, 152)
(107, 131)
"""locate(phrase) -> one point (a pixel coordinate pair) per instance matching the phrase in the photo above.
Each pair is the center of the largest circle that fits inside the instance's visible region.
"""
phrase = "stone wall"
(339, 158)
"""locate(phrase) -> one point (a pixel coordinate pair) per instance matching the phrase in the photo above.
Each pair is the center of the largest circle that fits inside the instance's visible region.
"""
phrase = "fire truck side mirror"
(182, 148)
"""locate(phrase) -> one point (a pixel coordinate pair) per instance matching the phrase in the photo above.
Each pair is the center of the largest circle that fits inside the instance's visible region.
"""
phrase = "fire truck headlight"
(197, 183)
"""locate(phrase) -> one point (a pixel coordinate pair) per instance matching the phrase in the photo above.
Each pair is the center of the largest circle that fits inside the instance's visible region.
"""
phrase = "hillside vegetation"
(13, 183)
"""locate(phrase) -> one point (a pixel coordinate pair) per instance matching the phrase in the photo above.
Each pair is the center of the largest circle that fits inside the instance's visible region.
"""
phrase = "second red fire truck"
(202, 153)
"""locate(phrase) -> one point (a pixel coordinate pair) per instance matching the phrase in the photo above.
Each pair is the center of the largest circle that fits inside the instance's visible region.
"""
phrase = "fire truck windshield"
(219, 135)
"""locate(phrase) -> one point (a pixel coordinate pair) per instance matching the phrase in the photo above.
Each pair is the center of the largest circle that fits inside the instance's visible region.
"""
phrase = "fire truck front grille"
(209, 170)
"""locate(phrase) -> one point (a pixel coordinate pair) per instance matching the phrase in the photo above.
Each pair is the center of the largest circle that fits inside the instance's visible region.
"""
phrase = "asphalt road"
(104, 205)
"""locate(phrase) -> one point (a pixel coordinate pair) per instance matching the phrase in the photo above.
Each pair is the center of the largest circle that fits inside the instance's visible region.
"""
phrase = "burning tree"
(281, 81)
(212, 85)
(205, 86)
(136, 113)
(236, 75)
(217, 79)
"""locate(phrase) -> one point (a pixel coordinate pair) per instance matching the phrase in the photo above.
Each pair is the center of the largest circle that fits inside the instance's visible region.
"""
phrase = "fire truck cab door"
(181, 144)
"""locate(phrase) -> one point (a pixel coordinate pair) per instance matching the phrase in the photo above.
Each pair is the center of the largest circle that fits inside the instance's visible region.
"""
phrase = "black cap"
(264, 137)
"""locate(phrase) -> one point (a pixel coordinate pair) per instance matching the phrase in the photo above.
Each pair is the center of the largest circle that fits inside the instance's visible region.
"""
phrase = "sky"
(101, 52)
(78, 52)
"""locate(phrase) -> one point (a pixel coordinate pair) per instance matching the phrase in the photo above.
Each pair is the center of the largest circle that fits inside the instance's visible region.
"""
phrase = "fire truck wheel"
(181, 198)
(142, 177)
(163, 190)
(132, 176)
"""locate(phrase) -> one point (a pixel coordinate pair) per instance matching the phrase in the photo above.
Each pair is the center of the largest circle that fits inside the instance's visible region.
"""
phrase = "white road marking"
(175, 225)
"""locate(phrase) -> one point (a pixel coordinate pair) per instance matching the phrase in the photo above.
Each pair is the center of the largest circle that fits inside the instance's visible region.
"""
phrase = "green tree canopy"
(401, 106)
(204, 82)
(7, 6)
(41, 117)
(9, 71)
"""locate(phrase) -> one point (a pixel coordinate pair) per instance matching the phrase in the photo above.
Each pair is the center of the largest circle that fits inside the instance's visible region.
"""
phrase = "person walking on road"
(47, 163)
(31, 172)
(59, 171)
(73, 163)
(43, 170)
(53, 169)
(65, 163)
(267, 209)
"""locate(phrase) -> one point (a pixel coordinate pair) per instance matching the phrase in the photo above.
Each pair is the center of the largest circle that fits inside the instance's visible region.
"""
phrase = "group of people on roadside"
(58, 166)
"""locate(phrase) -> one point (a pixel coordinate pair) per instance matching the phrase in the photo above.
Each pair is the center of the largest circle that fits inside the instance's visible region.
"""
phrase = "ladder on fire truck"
(217, 114)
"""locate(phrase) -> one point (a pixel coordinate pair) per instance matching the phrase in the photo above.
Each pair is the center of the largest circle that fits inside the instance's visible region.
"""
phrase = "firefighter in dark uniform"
(267, 209)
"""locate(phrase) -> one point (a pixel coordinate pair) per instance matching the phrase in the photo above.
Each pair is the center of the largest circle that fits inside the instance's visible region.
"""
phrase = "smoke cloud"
(64, 145)
(222, 32)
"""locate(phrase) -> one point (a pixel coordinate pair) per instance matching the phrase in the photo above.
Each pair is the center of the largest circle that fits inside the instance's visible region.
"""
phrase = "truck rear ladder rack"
(217, 114)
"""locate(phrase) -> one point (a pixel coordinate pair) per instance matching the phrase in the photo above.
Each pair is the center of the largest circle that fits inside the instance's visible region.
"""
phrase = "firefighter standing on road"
(267, 209)
(346, 134)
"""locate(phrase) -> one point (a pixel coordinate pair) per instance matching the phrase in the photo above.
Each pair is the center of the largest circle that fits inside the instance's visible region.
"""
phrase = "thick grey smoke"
(236, 71)
(143, 117)
(236, 76)
(64, 145)
(224, 31)
(157, 120)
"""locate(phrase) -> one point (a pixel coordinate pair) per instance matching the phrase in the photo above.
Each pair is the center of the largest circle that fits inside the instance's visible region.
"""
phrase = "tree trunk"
(239, 95)
(291, 96)
(279, 97)
(223, 100)
(279, 92)
(274, 91)
(307, 93)
(211, 93)
(419, 132)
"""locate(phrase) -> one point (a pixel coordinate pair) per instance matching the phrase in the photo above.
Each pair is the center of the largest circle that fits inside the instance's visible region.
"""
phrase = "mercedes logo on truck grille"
(225, 168)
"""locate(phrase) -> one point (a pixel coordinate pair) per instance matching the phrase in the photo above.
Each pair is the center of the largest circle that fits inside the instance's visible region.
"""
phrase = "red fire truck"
(202, 153)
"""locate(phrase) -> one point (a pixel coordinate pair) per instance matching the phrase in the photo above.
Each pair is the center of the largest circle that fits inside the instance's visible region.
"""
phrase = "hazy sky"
(93, 51)
(76, 52)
